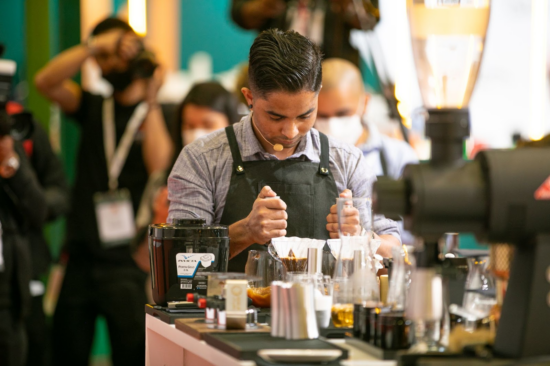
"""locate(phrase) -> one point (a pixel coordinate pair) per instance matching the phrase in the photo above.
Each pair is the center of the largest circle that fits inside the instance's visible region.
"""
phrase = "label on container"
(198, 284)
(188, 264)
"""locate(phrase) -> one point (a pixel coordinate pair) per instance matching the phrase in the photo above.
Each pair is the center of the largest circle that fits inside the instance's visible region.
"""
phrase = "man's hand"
(255, 13)
(6, 152)
(267, 220)
(271, 8)
(388, 242)
(352, 223)
(6, 148)
(125, 44)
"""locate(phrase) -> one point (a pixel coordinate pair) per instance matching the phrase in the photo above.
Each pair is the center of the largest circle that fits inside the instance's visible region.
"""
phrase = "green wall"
(12, 34)
(206, 26)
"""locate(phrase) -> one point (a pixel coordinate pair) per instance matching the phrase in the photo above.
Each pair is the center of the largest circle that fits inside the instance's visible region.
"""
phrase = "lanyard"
(383, 161)
(117, 158)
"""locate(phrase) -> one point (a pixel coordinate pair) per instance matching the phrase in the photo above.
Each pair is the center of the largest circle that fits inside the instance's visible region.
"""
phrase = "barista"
(233, 176)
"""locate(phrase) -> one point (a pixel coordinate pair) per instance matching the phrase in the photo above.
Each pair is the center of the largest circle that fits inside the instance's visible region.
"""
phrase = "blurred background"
(196, 40)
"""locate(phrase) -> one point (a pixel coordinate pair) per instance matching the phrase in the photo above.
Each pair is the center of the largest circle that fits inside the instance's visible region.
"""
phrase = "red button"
(202, 303)
(190, 297)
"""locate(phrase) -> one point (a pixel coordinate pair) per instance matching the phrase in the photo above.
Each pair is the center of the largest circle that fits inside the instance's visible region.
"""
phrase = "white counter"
(168, 346)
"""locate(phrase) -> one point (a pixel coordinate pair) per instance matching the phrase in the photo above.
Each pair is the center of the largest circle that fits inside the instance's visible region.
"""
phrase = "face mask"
(344, 129)
(188, 136)
(119, 80)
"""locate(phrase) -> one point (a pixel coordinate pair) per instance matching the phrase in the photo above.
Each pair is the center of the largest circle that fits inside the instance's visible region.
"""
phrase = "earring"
(250, 106)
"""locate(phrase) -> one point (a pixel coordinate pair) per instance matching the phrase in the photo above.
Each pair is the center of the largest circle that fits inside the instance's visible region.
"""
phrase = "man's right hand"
(126, 44)
(267, 220)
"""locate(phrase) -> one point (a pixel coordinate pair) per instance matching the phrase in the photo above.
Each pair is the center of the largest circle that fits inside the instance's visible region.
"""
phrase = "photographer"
(328, 23)
(123, 139)
(49, 172)
(22, 208)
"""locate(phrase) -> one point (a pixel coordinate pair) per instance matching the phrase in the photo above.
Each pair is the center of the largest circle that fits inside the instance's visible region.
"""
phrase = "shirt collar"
(251, 147)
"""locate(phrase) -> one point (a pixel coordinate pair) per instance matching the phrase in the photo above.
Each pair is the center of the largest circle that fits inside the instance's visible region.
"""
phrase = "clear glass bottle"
(447, 41)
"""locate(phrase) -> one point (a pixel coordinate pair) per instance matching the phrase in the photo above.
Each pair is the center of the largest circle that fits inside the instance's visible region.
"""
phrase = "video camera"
(18, 125)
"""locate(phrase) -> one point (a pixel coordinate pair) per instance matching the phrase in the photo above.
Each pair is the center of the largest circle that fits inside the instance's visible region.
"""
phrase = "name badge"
(115, 218)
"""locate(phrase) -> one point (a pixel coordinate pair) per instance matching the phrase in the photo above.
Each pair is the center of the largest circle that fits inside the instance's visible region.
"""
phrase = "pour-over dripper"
(292, 251)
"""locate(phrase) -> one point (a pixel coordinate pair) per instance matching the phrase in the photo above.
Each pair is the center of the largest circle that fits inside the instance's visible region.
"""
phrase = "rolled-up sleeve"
(360, 181)
(190, 190)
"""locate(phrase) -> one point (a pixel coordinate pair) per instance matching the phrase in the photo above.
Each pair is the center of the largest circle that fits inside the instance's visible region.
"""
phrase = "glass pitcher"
(262, 269)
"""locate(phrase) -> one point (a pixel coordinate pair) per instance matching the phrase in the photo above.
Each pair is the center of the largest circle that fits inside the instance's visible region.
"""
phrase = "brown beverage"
(293, 264)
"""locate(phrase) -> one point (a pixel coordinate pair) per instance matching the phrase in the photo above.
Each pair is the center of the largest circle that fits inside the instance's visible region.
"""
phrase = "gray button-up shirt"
(199, 181)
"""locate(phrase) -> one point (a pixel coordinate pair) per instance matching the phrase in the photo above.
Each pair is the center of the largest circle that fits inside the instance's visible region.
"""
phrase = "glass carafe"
(355, 271)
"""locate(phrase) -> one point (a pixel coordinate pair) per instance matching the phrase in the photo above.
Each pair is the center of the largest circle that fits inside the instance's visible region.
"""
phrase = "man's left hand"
(352, 223)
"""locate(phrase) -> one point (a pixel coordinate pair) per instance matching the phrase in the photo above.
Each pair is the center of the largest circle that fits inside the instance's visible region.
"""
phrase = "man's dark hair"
(109, 24)
(284, 61)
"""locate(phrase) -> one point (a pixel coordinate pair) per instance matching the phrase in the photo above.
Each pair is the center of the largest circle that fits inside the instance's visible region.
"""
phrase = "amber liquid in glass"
(293, 264)
(260, 296)
(342, 315)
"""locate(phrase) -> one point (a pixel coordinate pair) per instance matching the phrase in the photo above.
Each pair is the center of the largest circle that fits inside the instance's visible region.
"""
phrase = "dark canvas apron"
(307, 188)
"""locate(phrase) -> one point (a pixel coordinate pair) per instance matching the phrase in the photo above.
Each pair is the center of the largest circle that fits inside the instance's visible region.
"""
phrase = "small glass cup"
(342, 303)
(262, 269)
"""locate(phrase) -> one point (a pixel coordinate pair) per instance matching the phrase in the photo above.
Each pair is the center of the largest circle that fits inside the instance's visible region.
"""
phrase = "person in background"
(22, 209)
(326, 22)
(124, 139)
(342, 106)
(49, 172)
(208, 107)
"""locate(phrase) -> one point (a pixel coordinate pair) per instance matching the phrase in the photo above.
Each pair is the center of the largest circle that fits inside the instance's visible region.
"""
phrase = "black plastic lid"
(215, 231)
(189, 222)
(187, 228)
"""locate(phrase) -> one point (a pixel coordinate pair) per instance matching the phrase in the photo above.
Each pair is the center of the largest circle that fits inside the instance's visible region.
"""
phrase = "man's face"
(284, 118)
(340, 102)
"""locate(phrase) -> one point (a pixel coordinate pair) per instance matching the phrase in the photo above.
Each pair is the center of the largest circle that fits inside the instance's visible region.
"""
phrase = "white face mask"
(188, 136)
(344, 129)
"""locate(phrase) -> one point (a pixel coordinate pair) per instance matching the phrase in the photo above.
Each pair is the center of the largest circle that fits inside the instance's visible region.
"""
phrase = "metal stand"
(524, 328)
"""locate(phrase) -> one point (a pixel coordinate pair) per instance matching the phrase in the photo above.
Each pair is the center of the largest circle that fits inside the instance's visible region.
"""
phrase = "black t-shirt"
(92, 177)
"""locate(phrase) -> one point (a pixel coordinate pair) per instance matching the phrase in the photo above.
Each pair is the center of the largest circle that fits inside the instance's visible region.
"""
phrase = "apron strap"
(325, 154)
(235, 152)
(383, 161)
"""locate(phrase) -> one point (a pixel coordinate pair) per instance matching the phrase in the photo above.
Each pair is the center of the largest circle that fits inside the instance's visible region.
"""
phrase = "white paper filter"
(299, 246)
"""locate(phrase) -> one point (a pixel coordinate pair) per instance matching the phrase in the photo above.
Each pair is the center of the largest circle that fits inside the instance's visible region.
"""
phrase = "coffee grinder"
(182, 254)
(499, 196)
